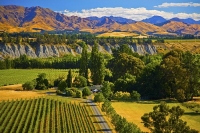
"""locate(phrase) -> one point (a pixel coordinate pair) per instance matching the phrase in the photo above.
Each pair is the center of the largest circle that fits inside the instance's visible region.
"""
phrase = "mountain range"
(30, 19)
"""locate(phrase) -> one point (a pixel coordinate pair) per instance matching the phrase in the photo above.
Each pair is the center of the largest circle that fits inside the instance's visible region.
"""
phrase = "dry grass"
(117, 34)
(133, 112)
(10, 94)
(12, 87)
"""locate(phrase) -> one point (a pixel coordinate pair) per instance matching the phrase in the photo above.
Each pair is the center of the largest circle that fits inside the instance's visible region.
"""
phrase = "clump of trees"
(166, 120)
(120, 123)
(40, 83)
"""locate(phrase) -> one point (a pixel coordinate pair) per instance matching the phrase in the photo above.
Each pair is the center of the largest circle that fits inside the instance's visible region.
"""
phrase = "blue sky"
(133, 9)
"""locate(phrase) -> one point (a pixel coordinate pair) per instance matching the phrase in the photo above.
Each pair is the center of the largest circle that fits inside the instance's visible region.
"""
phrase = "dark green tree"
(41, 82)
(83, 71)
(97, 66)
(135, 96)
(166, 120)
(192, 65)
(62, 85)
(125, 63)
(69, 79)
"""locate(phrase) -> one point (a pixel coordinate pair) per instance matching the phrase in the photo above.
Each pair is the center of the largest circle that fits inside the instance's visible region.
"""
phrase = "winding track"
(100, 119)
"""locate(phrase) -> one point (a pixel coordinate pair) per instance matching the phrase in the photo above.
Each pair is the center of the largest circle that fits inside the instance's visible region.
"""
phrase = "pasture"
(20, 76)
(133, 111)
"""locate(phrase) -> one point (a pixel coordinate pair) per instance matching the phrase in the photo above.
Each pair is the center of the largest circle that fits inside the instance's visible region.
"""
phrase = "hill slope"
(17, 19)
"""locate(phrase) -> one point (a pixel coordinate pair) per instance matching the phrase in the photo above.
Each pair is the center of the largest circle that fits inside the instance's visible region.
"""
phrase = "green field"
(133, 112)
(20, 76)
(44, 115)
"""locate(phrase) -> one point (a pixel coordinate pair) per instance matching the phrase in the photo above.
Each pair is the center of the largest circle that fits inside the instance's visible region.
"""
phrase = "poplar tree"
(83, 71)
(69, 79)
(97, 66)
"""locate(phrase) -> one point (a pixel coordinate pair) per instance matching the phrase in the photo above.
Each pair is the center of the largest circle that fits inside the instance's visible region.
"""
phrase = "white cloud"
(165, 5)
(131, 13)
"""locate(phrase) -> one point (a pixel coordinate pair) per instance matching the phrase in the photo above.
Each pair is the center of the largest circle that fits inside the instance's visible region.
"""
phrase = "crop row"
(45, 116)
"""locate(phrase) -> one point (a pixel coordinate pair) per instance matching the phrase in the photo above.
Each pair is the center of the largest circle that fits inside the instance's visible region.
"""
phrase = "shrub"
(70, 93)
(86, 91)
(29, 85)
(119, 95)
(78, 94)
(99, 97)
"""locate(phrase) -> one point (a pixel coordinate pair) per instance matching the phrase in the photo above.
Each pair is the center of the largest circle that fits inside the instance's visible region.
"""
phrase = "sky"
(132, 9)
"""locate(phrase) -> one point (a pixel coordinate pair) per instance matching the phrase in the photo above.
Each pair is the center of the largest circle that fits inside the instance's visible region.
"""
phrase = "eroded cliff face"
(44, 51)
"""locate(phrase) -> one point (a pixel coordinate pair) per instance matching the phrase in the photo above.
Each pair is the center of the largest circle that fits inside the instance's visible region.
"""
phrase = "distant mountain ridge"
(18, 19)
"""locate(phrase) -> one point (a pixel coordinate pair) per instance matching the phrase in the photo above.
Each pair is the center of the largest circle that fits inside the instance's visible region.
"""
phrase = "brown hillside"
(17, 18)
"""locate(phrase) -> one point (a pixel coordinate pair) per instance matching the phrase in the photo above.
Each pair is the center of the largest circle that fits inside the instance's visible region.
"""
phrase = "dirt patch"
(12, 87)
(11, 94)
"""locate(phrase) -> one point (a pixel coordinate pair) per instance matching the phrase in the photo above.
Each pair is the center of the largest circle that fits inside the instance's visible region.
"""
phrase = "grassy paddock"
(20, 76)
(133, 111)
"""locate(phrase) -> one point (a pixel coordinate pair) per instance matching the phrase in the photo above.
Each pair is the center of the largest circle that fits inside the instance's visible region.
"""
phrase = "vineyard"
(45, 116)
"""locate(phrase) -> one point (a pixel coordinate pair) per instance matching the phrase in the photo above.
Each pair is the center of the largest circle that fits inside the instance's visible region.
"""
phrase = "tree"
(174, 75)
(192, 65)
(106, 90)
(62, 85)
(97, 66)
(83, 71)
(99, 97)
(80, 81)
(122, 49)
(86, 91)
(29, 85)
(125, 63)
(125, 83)
(69, 78)
(166, 120)
(41, 82)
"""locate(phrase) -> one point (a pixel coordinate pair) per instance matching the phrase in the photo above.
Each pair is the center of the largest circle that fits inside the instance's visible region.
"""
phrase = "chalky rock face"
(47, 50)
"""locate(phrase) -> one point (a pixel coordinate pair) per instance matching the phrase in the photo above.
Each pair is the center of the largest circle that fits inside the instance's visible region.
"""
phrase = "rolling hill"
(31, 19)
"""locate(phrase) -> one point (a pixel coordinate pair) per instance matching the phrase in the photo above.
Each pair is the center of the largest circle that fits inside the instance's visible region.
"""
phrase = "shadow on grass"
(99, 122)
(192, 113)
(91, 105)
(104, 130)
(96, 115)
(157, 101)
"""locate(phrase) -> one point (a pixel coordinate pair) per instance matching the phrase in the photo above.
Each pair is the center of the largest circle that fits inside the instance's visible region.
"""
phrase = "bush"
(86, 91)
(135, 96)
(80, 81)
(70, 93)
(78, 94)
(99, 97)
(119, 95)
(29, 85)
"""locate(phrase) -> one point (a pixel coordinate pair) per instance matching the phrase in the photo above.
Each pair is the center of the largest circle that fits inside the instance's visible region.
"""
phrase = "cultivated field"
(20, 76)
(44, 115)
(133, 112)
